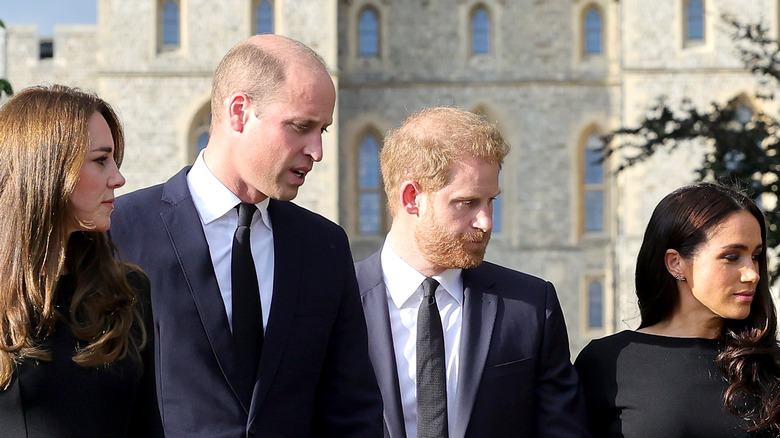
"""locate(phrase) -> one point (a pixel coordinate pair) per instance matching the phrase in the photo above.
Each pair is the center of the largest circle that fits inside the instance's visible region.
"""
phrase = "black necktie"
(247, 313)
(431, 381)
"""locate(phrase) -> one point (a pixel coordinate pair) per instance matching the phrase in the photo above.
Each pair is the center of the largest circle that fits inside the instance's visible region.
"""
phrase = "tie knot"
(245, 213)
(429, 286)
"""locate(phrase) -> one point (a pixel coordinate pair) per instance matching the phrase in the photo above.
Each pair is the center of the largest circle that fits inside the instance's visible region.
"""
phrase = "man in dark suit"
(461, 348)
(258, 324)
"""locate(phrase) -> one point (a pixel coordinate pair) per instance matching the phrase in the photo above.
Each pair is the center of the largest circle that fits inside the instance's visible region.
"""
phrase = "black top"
(59, 398)
(639, 385)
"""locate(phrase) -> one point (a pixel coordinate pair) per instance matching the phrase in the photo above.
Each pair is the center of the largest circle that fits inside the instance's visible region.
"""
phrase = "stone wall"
(537, 83)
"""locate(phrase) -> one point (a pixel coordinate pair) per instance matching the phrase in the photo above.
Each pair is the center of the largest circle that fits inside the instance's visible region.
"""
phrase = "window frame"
(360, 190)
(587, 187)
(586, 31)
(473, 35)
(377, 43)
(162, 26)
(697, 40)
(255, 16)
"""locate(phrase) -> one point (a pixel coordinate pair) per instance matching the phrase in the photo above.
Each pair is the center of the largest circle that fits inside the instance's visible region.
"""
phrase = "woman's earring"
(679, 277)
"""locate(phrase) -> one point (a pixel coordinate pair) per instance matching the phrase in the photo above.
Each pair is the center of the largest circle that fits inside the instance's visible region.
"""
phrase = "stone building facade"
(554, 74)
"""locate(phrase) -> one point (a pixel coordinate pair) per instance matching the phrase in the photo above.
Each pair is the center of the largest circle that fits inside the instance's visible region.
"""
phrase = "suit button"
(252, 429)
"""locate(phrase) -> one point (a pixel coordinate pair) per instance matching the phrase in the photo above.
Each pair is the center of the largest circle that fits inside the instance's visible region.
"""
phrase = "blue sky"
(47, 13)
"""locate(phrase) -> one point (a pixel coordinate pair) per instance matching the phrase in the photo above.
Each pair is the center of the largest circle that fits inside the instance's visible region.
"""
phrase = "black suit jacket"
(314, 376)
(515, 378)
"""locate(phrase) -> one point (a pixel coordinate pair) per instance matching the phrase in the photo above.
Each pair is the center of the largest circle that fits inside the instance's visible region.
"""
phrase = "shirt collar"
(402, 280)
(213, 199)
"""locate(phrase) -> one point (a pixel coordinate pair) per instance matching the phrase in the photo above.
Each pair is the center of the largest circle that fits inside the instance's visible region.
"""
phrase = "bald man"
(258, 321)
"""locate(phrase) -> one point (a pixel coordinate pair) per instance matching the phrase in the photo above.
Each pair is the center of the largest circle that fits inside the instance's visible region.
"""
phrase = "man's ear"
(674, 263)
(238, 111)
(410, 197)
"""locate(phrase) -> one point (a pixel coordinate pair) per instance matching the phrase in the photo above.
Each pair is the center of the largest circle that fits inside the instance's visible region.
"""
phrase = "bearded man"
(460, 347)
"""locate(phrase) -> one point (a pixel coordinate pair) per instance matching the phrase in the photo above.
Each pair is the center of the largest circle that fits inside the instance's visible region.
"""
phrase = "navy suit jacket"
(515, 377)
(314, 377)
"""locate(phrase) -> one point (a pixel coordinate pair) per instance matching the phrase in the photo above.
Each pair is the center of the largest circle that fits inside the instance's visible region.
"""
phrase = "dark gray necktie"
(247, 311)
(431, 369)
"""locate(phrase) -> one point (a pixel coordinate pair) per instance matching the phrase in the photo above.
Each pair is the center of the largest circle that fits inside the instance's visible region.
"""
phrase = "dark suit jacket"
(515, 378)
(314, 376)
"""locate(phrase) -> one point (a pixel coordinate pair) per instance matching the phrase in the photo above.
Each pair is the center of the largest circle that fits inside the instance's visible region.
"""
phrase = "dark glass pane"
(695, 20)
(368, 34)
(203, 140)
(265, 17)
(593, 32)
(594, 211)
(370, 210)
(171, 24)
(480, 32)
(595, 305)
(369, 163)
(594, 170)
(497, 213)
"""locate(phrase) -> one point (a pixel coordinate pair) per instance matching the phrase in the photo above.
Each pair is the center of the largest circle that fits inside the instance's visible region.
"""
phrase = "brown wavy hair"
(750, 359)
(43, 145)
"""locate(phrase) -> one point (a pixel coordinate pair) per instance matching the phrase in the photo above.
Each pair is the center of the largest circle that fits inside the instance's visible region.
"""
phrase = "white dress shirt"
(216, 206)
(403, 301)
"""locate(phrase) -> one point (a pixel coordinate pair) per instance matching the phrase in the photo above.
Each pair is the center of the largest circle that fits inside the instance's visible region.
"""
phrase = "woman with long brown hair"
(76, 358)
(705, 360)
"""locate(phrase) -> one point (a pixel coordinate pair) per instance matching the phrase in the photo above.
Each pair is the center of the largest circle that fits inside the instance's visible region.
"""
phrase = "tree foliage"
(743, 146)
(5, 86)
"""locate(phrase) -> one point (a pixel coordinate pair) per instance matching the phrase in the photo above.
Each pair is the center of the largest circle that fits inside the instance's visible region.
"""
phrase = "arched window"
(370, 205)
(593, 186)
(199, 131)
(498, 210)
(203, 140)
(595, 305)
(170, 24)
(264, 17)
(368, 33)
(593, 32)
(694, 20)
(480, 31)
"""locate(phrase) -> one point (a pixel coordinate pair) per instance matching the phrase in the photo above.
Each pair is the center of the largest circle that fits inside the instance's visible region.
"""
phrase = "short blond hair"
(425, 146)
(258, 71)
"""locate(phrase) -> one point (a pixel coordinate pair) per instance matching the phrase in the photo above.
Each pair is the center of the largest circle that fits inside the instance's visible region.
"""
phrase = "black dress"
(639, 385)
(62, 399)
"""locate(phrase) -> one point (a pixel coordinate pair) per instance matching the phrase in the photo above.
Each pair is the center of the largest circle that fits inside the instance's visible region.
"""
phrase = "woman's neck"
(687, 325)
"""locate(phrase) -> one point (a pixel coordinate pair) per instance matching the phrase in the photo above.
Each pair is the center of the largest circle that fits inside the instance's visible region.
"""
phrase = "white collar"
(212, 198)
(402, 280)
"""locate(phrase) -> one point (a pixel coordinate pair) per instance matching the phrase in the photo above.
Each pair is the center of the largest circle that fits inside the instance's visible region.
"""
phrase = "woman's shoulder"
(611, 342)
(605, 349)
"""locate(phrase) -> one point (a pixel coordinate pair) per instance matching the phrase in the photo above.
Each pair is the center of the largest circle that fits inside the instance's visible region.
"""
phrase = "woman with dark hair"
(75, 344)
(705, 360)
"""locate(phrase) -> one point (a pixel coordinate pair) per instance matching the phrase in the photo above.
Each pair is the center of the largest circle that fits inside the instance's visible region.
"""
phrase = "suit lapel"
(287, 267)
(380, 340)
(479, 315)
(181, 221)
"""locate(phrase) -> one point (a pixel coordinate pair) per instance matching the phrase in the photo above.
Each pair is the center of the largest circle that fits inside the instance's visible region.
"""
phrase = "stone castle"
(554, 74)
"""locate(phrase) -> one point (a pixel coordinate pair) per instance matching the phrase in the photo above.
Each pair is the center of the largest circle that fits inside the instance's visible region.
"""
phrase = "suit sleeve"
(348, 403)
(561, 409)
